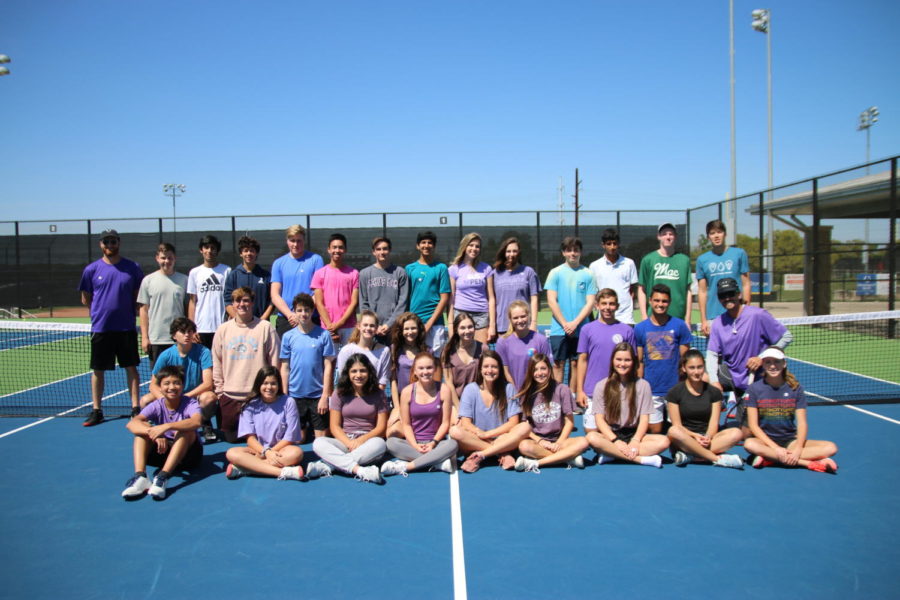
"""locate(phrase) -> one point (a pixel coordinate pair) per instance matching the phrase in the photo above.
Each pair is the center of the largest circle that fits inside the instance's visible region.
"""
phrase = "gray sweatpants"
(339, 456)
(401, 449)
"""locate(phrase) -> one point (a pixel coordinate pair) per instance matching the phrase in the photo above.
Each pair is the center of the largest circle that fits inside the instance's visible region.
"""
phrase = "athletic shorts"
(565, 347)
(659, 410)
(436, 339)
(481, 319)
(229, 413)
(155, 351)
(625, 433)
(207, 339)
(190, 460)
(306, 409)
(109, 347)
(588, 420)
(784, 442)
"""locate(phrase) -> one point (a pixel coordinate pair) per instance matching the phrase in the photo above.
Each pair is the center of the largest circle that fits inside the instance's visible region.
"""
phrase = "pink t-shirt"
(360, 413)
(337, 287)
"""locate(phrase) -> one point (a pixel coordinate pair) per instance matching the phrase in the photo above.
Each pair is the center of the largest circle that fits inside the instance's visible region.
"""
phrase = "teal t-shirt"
(426, 284)
(714, 267)
(674, 271)
(572, 287)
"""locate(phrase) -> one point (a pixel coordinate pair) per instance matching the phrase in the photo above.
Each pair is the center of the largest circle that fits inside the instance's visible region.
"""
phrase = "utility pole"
(577, 205)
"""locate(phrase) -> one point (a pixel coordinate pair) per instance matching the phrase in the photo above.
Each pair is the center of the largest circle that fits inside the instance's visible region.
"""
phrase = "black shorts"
(108, 347)
(155, 351)
(783, 442)
(565, 347)
(306, 408)
(207, 339)
(625, 433)
(190, 461)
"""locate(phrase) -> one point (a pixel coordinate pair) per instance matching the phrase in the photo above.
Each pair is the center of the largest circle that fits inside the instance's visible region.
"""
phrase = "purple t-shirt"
(271, 423)
(486, 417)
(547, 420)
(597, 340)
(113, 289)
(471, 286)
(159, 413)
(401, 374)
(360, 413)
(777, 408)
(425, 418)
(737, 340)
(516, 351)
(519, 284)
(644, 403)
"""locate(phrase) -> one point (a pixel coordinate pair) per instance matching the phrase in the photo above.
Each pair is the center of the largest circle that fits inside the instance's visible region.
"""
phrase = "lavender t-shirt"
(271, 422)
(404, 367)
(644, 403)
(547, 419)
(360, 413)
(519, 284)
(425, 418)
(597, 340)
(516, 351)
(158, 412)
(738, 340)
(471, 286)
(486, 417)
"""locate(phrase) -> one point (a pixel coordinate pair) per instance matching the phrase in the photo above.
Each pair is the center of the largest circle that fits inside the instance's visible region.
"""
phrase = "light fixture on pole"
(762, 22)
(174, 190)
(4, 59)
(867, 118)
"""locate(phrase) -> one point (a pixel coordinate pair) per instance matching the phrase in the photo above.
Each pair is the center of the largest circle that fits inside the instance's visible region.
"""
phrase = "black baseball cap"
(726, 287)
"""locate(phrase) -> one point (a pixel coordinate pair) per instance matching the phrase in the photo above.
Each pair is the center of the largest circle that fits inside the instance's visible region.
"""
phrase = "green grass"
(32, 366)
(871, 355)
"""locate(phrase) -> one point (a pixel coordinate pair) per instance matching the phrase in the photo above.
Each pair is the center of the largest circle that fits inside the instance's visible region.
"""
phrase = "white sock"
(652, 461)
(603, 459)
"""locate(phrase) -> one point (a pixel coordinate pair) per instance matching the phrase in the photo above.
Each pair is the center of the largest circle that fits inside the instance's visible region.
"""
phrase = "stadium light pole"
(174, 190)
(762, 22)
(4, 59)
(867, 118)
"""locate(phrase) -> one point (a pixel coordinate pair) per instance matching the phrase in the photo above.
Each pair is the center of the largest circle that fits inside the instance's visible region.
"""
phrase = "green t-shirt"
(673, 271)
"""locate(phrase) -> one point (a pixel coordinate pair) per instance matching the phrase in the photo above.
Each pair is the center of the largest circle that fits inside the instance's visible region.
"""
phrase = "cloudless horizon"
(350, 106)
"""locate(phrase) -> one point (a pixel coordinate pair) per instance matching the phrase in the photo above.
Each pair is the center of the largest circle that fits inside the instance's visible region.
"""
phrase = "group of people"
(364, 362)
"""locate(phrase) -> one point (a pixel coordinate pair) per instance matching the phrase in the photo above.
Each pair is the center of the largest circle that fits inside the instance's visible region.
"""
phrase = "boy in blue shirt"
(714, 265)
(429, 291)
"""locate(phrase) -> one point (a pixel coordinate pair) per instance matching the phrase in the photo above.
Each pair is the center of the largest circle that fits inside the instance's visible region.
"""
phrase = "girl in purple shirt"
(520, 343)
(425, 413)
(622, 404)
(358, 420)
(407, 340)
(548, 408)
(271, 424)
(460, 357)
(513, 281)
(472, 288)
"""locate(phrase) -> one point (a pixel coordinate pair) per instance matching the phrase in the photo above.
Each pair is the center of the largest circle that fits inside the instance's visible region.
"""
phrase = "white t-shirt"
(208, 284)
(618, 276)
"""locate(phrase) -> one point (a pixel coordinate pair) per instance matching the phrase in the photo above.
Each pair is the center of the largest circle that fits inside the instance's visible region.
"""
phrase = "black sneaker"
(209, 434)
(94, 418)
(135, 411)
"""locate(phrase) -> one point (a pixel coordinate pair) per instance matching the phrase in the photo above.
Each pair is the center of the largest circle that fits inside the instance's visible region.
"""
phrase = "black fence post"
(892, 250)
(234, 252)
(18, 274)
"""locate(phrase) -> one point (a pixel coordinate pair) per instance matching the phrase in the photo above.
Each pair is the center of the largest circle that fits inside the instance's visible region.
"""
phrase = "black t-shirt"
(694, 410)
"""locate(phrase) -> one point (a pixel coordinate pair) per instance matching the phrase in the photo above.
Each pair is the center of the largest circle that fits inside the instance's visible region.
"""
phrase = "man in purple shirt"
(109, 287)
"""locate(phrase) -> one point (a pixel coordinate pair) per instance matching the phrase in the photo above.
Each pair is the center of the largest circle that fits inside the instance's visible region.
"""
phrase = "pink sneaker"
(759, 462)
(826, 465)
(473, 463)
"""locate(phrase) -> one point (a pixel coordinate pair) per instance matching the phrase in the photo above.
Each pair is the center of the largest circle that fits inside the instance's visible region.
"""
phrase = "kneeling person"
(171, 443)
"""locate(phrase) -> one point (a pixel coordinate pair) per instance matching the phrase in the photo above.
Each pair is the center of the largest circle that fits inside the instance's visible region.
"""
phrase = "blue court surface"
(611, 531)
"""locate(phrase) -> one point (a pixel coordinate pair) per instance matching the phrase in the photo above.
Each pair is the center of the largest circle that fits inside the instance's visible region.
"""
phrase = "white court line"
(857, 409)
(459, 559)
(843, 371)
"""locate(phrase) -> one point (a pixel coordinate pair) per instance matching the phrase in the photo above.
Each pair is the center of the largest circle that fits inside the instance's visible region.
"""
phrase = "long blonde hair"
(515, 304)
(460, 257)
(356, 334)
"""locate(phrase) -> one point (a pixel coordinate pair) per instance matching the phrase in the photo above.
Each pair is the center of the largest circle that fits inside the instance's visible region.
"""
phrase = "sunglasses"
(110, 241)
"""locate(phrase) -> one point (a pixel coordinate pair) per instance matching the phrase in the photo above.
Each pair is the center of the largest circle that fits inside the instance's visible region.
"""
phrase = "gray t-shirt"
(644, 403)
(384, 291)
(164, 296)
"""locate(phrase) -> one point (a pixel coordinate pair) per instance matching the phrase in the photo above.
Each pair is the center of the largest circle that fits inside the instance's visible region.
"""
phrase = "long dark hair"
(530, 389)
(267, 371)
(345, 386)
(682, 364)
(397, 341)
(611, 391)
(498, 388)
(454, 341)
(500, 257)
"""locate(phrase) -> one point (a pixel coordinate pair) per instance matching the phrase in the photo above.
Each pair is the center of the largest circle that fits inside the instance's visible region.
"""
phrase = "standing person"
(383, 288)
(425, 407)
(358, 418)
(165, 435)
(429, 291)
(548, 408)
(241, 347)
(736, 338)
(109, 288)
(271, 426)
(460, 358)
(250, 274)
(622, 406)
(206, 287)
(715, 265)
(162, 298)
(616, 272)
(672, 268)
(472, 288)
(307, 367)
(570, 295)
(776, 414)
(661, 342)
(595, 349)
(514, 281)
(694, 409)
(292, 274)
(363, 341)
(520, 343)
(336, 292)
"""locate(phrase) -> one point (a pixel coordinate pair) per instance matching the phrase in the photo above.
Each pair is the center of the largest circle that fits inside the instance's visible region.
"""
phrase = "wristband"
(436, 442)
(263, 453)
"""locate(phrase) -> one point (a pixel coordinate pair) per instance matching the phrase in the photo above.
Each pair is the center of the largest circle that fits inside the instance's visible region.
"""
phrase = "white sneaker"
(527, 464)
(448, 466)
(137, 486)
(295, 473)
(729, 460)
(234, 472)
(317, 469)
(394, 467)
(577, 462)
(682, 459)
(370, 474)
(158, 488)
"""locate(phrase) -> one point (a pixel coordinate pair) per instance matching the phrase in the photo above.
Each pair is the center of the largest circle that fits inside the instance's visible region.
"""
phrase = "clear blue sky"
(294, 107)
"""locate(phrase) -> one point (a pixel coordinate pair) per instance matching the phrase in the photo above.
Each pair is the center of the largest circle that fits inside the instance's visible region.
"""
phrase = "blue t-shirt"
(777, 408)
(572, 287)
(472, 406)
(295, 274)
(259, 281)
(306, 353)
(661, 351)
(194, 362)
(713, 267)
(426, 284)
